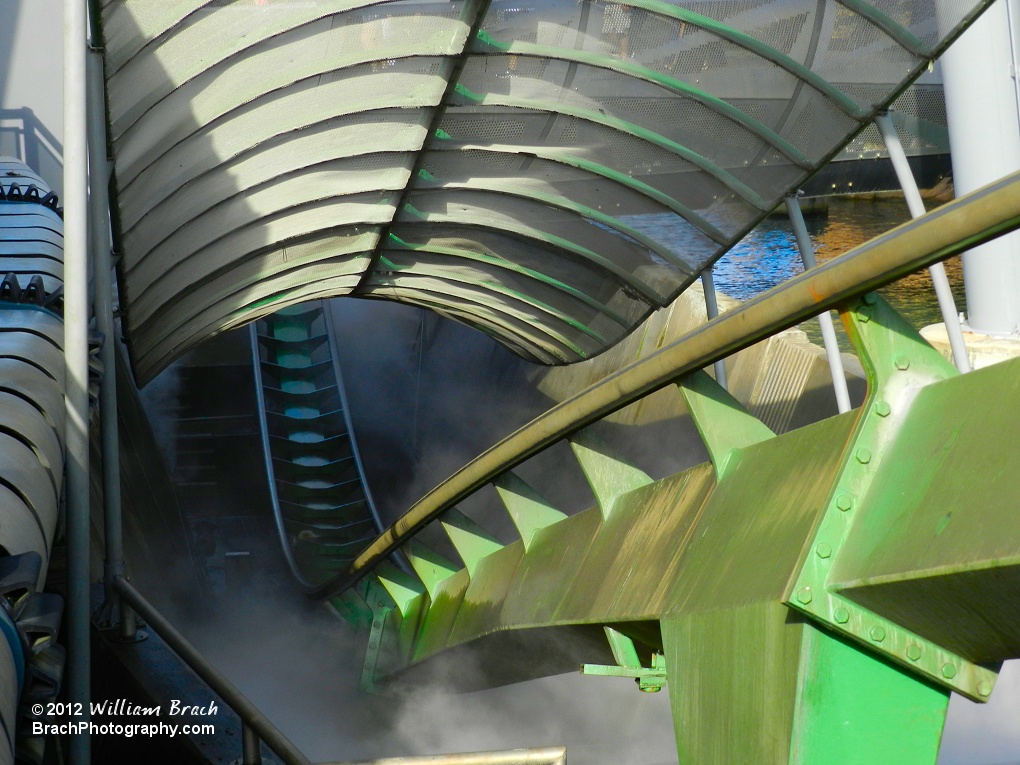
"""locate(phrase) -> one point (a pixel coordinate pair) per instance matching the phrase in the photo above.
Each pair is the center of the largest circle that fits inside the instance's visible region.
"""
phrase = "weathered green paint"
(431, 567)
(935, 547)
(528, 509)
(861, 522)
(608, 474)
(628, 664)
(683, 544)
(403, 588)
(722, 421)
(471, 541)
(899, 363)
(754, 684)
(623, 648)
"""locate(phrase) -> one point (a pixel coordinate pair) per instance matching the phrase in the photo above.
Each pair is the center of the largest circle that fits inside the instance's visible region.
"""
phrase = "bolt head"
(882, 408)
(841, 615)
(984, 688)
(949, 671)
(913, 652)
(864, 314)
(823, 550)
(877, 634)
(804, 595)
(863, 456)
(844, 502)
(902, 363)
(870, 298)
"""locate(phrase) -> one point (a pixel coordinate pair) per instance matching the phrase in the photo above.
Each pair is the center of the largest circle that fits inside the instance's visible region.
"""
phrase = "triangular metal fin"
(402, 587)
(471, 541)
(528, 509)
(608, 474)
(431, 567)
(722, 421)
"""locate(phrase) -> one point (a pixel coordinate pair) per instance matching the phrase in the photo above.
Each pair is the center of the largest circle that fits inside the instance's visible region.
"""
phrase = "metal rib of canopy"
(548, 171)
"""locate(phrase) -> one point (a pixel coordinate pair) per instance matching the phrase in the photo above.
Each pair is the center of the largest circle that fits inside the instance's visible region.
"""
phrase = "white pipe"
(807, 256)
(711, 311)
(915, 204)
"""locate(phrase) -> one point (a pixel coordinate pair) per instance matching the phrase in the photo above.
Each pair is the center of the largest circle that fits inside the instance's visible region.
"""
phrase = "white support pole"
(76, 354)
(711, 311)
(983, 112)
(807, 256)
(915, 204)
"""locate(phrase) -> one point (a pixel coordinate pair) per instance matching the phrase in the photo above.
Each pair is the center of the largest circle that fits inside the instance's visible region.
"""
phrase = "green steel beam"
(725, 426)
(957, 226)
(528, 510)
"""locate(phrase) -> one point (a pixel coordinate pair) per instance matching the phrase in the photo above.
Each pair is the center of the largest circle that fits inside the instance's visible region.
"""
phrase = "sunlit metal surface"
(548, 172)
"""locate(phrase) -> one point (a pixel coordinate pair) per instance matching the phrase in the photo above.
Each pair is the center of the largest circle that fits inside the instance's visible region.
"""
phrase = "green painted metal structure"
(551, 175)
(810, 597)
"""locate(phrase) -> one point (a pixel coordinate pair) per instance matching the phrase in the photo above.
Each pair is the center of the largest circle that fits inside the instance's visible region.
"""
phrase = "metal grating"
(595, 155)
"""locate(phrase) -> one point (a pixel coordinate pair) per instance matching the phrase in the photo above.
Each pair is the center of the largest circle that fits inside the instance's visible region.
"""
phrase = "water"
(768, 256)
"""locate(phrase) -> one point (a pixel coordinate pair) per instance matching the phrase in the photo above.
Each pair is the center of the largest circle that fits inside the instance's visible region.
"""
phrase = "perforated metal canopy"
(547, 171)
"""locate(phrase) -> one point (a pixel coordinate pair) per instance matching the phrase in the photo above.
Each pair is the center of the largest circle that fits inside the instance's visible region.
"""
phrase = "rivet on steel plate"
(841, 615)
(949, 671)
(882, 408)
(902, 362)
(844, 502)
(984, 688)
(804, 595)
(913, 652)
(823, 550)
(877, 634)
(863, 456)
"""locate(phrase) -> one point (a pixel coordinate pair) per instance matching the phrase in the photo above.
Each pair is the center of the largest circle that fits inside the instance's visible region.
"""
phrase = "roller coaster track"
(812, 596)
(321, 502)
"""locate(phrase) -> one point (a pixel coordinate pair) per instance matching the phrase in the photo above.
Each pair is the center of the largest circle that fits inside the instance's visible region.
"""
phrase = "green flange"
(898, 363)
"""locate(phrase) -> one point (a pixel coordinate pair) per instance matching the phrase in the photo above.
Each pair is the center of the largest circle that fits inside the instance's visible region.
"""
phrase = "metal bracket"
(898, 363)
(649, 679)
(381, 605)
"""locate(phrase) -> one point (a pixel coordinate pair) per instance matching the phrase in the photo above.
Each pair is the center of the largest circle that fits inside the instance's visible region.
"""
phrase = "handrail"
(250, 715)
(942, 233)
(256, 722)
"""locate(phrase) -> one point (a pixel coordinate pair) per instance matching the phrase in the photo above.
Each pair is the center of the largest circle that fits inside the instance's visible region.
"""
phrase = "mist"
(420, 412)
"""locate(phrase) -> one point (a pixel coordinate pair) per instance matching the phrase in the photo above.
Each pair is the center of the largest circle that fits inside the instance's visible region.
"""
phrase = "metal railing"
(258, 728)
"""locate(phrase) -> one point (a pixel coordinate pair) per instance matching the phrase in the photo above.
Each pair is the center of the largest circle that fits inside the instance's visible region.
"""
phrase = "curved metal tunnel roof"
(547, 171)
